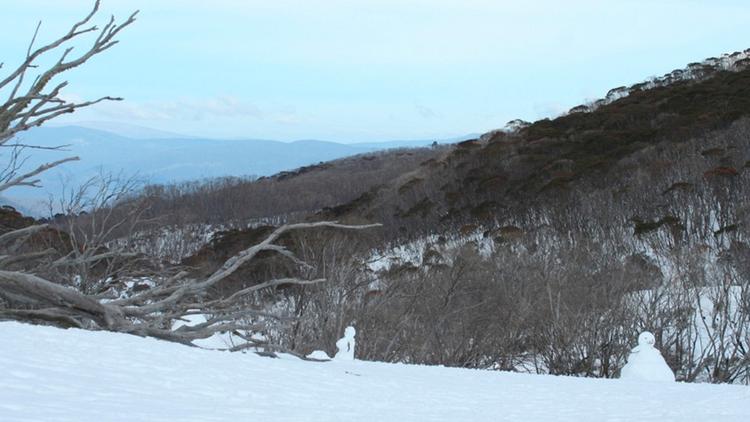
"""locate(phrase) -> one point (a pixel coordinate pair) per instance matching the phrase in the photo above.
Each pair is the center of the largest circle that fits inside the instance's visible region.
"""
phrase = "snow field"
(48, 374)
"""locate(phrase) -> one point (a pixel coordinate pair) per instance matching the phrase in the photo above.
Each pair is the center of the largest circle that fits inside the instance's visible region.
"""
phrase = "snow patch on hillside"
(421, 252)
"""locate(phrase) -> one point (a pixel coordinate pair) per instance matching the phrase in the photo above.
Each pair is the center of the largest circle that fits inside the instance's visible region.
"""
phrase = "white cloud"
(184, 109)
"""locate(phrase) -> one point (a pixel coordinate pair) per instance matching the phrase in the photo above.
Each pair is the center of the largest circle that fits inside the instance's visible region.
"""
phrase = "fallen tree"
(152, 312)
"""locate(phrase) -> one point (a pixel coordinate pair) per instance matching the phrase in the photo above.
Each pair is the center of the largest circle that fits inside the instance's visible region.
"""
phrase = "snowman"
(646, 363)
(346, 345)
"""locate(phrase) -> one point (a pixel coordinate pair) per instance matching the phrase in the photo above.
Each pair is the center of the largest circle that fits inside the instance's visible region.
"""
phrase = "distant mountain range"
(161, 157)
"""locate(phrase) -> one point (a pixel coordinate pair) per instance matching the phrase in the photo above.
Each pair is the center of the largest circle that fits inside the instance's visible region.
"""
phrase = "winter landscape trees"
(545, 248)
(76, 301)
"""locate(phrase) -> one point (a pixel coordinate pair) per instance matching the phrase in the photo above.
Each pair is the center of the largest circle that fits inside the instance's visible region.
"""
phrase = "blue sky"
(371, 70)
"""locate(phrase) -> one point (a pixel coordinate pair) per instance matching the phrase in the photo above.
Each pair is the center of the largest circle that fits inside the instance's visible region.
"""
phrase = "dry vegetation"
(657, 243)
(287, 195)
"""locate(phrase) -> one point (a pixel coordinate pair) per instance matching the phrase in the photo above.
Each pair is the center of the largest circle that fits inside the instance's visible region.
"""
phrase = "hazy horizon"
(133, 131)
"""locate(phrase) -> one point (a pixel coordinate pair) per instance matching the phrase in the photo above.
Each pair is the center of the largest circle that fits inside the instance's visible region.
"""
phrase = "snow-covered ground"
(47, 374)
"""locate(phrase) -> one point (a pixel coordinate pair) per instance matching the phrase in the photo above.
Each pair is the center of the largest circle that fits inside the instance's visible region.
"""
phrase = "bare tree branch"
(14, 235)
(33, 107)
(23, 180)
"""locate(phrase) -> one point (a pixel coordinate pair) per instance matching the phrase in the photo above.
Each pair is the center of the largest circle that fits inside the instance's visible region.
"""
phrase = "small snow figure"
(346, 345)
(645, 362)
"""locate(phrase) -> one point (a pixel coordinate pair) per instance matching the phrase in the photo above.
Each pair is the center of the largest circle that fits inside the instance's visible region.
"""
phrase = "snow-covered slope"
(73, 375)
